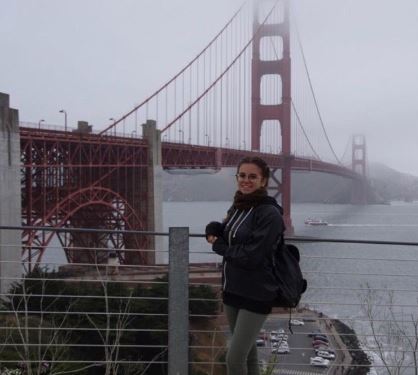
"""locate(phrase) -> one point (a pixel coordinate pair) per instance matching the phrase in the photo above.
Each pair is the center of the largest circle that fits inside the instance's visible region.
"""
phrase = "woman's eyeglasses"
(242, 176)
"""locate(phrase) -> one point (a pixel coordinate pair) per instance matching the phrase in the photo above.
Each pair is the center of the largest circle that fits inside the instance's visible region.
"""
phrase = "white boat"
(315, 221)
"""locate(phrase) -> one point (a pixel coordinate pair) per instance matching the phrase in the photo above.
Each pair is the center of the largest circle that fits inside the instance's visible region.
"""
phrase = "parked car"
(321, 347)
(279, 338)
(321, 337)
(296, 322)
(281, 330)
(320, 342)
(260, 342)
(324, 349)
(325, 354)
(262, 334)
(314, 333)
(319, 362)
(280, 350)
(279, 344)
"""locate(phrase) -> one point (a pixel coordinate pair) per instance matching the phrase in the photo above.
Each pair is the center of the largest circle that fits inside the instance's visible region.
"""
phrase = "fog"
(97, 59)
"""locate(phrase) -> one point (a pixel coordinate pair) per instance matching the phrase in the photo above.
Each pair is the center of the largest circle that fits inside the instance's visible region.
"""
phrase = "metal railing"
(109, 317)
(46, 126)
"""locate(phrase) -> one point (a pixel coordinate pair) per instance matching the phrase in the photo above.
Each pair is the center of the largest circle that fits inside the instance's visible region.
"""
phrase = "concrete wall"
(10, 196)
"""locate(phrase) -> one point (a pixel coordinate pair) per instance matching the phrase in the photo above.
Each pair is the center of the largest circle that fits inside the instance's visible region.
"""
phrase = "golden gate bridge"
(239, 96)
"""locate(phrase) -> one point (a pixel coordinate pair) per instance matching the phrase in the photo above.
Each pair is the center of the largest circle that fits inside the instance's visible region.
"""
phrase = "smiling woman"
(246, 240)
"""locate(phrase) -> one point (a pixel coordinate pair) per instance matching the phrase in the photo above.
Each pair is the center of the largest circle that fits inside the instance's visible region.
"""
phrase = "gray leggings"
(245, 326)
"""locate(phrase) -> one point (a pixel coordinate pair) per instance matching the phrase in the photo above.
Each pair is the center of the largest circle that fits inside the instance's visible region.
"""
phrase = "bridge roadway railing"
(112, 318)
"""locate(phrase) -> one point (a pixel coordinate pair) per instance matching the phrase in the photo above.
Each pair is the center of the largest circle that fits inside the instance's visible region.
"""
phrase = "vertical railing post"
(178, 301)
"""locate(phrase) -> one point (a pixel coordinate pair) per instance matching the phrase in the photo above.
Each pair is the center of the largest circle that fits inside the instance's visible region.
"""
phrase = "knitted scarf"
(246, 201)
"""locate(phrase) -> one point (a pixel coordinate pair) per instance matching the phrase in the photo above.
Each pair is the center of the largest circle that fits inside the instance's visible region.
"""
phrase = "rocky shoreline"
(360, 362)
(354, 361)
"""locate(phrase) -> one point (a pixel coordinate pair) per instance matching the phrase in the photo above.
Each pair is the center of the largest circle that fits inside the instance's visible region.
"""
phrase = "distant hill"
(391, 184)
(208, 185)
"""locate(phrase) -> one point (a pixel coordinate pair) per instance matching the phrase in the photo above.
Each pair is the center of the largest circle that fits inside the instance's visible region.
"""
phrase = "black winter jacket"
(246, 243)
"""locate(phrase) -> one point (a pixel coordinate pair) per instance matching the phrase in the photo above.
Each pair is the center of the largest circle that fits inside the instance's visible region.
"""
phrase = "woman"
(246, 240)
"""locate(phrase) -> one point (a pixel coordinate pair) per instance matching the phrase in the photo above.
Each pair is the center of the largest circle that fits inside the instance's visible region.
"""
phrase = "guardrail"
(112, 318)
(46, 126)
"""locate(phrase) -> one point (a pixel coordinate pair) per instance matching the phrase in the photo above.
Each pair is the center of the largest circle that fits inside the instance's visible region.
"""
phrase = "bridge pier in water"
(10, 196)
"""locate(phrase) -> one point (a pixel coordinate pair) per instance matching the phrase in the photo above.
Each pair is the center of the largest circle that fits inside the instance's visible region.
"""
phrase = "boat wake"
(374, 225)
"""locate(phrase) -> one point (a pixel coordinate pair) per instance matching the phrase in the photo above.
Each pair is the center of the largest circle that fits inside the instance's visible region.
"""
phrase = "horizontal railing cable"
(200, 235)
(295, 334)
(313, 288)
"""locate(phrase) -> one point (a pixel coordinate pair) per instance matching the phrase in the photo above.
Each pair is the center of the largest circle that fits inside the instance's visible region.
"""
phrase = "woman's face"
(249, 178)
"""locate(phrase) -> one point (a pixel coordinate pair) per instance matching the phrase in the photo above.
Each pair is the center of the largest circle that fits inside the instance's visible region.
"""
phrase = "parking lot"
(296, 362)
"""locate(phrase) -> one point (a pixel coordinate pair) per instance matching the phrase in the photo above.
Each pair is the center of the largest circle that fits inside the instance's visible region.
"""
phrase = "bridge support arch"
(275, 28)
(86, 208)
(110, 181)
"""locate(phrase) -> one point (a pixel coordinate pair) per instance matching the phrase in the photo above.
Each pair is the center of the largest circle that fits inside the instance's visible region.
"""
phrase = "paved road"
(297, 361)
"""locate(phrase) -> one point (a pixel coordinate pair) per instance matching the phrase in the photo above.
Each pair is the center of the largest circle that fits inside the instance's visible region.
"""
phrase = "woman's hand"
(211, 238)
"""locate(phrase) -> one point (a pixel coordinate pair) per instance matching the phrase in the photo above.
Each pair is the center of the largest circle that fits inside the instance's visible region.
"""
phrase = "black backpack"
(288, 275)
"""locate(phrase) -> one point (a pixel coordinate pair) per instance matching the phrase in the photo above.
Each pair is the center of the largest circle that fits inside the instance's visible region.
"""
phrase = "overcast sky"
(98, 58)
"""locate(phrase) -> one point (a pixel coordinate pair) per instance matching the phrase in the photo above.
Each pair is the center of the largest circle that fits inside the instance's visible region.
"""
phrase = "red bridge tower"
(358, 156)
(277, 29)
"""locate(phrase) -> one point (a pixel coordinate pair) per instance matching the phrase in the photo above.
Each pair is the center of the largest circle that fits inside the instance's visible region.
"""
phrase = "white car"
(260, 342)
(280, 350)
(325, 354)
(296, 322)
(273, 336)
(280, 344)
(319, 362)
(279, 338)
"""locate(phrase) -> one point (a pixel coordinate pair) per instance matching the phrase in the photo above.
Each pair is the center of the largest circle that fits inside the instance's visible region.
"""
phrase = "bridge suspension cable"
(227, 69)
(314, 96)
(303, 130)
(222, 118)
(173, 79)
(299, 121)
(206, 102)
(345, 155)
